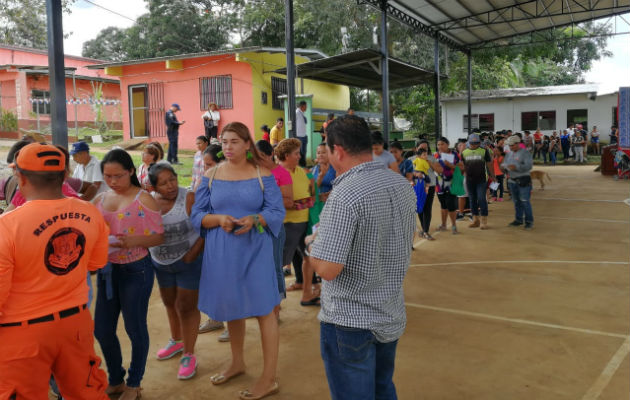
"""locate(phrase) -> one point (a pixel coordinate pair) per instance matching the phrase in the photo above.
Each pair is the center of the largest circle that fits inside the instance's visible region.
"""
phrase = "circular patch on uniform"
(64, 251)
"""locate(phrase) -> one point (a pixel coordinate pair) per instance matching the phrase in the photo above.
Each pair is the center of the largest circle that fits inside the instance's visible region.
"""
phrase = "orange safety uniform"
(46, 250)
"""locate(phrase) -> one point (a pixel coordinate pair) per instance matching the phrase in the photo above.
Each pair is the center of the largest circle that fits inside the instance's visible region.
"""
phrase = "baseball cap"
(474, 138)
(40, 158)
(78, 147)
(512, 140)
(176, 106)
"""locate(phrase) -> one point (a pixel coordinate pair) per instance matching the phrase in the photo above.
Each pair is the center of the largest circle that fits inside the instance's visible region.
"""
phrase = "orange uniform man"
(46, 248)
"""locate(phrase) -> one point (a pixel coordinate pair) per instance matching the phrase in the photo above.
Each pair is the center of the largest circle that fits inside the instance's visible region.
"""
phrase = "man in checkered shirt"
(361, 250)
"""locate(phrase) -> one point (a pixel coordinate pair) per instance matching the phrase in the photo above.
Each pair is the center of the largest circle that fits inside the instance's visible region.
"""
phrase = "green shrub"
(8, 121)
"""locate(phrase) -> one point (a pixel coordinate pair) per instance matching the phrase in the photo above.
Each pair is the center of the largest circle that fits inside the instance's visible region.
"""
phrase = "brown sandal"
(294, 286)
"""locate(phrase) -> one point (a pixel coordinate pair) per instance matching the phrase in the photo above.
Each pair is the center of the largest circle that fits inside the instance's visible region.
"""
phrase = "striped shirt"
(367, 225)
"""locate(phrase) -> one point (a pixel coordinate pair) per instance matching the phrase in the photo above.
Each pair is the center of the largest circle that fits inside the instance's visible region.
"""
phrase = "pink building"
(25, 90)
(242, 82)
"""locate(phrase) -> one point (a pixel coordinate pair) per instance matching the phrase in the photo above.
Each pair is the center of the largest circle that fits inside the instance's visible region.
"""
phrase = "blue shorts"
(179, 274)
(595, 140)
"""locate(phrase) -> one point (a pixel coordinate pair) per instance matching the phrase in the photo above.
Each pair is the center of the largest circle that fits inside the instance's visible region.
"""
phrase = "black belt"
(47, 318)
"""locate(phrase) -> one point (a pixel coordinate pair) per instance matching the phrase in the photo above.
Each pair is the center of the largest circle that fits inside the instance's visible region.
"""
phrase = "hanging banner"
(623, 116)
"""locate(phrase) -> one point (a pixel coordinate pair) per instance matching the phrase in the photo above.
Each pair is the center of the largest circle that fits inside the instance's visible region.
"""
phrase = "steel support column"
(385, 71)
(288, 39)
(469, 95)
(57, 74)
(436, 86)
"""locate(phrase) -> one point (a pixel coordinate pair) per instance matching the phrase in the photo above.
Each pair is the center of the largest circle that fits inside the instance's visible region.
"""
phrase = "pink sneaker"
(170, 350)
(500, 199)
(494, 199)
(187, 366)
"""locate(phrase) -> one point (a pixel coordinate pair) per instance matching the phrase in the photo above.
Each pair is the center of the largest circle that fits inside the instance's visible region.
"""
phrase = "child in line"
(499, 155)
(202, 143)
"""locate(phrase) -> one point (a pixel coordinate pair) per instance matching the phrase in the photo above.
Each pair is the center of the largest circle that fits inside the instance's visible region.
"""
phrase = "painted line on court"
(627, 201)
(613, 221)
(521, 262)
(517, 321)
(609, 371)
(587, 200)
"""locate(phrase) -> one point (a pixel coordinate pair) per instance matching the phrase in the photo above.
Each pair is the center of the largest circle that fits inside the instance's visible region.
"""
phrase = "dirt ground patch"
(497, 314)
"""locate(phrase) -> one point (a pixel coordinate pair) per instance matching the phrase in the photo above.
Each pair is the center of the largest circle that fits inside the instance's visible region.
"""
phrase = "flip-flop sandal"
(220, 379)
(247, 395)
(312, 302)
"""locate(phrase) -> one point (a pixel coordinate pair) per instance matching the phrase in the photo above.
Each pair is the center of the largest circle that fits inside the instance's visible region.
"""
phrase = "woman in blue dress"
(238, 208)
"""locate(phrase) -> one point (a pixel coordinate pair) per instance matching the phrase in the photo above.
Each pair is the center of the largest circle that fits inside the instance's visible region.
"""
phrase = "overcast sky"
(87, 20)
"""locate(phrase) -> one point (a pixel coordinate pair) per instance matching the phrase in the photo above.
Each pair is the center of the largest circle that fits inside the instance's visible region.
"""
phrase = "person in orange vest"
(47, 246)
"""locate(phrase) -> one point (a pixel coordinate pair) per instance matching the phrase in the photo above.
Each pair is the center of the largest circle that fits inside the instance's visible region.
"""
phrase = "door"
(138, 111)
(157, 127)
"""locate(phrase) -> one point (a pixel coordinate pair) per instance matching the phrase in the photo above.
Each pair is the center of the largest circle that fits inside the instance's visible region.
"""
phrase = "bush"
(8, 121)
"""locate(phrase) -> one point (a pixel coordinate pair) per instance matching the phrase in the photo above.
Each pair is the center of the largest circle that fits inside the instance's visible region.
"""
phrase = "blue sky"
(87, 20)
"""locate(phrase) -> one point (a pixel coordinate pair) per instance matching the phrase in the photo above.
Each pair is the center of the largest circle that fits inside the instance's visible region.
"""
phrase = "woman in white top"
(177, 264)
(211, 121)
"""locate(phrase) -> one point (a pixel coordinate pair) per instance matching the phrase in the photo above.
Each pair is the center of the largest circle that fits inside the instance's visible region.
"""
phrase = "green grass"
(86, 131)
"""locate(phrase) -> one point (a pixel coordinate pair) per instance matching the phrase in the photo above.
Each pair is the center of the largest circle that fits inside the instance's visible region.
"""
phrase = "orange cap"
(40, 157)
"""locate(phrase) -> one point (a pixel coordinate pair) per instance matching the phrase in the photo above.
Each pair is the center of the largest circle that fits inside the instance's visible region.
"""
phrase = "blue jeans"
(552, 157)
(522, 205)
(131, 288)
(477, 196)
(358, 367)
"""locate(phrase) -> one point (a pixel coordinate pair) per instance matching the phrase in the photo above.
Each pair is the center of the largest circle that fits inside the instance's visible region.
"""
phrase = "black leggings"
(425, 215)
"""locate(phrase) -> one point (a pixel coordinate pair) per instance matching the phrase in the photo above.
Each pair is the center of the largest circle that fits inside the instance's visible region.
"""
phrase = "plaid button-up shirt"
(367, 225)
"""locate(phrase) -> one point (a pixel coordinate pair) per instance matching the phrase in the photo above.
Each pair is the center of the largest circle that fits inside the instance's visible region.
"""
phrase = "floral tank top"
(135, 219)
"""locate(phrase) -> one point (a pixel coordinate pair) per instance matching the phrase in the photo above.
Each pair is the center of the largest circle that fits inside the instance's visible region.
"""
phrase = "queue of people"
(210, 251)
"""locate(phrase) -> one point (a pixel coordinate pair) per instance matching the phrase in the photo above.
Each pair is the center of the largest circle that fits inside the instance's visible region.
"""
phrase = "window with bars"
(543, 120)
(39, 103)
(215, 89)
(483, 122)
(278, 87)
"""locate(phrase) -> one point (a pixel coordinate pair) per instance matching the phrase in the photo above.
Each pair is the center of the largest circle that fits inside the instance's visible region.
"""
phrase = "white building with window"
(546, 108)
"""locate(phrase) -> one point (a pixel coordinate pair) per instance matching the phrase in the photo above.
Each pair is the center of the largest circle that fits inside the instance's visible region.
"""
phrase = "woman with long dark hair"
(238, 208)
(125, 283)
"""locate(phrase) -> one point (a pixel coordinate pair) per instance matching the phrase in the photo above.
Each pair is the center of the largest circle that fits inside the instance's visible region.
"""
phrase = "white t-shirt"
(300, 123)
(212, 114)
(91, 172)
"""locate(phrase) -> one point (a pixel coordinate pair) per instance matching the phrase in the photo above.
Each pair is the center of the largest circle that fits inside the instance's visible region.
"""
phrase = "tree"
(23, 22)
(171, 27)
(108, 45)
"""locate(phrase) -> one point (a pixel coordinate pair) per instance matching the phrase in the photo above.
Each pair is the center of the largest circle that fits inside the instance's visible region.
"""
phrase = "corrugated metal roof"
(594, 88)
(361, 68)
(474, 23)
(308, 53)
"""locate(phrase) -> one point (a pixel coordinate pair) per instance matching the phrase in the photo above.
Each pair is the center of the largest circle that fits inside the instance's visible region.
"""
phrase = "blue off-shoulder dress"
(238, 276)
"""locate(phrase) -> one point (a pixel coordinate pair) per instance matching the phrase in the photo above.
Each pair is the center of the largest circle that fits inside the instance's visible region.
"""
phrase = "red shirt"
(537, 136)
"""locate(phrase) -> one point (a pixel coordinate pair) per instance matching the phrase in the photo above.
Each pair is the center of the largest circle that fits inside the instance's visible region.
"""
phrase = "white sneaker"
(210, 325)
(225, 336)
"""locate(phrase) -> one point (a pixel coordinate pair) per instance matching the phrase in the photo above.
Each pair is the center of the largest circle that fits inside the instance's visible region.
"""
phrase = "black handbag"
(524, 181)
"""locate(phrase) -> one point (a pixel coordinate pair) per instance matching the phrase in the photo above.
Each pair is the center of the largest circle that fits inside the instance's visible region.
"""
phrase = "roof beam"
(416, 24)
(340, 66)
(501, 15)
(440, 9)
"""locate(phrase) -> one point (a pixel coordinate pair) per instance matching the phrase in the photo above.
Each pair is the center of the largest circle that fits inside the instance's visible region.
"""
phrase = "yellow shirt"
(421, 165)
(276, 135)
(301, 185)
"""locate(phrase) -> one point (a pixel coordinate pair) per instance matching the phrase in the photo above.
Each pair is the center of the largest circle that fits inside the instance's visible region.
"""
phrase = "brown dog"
(540, 175)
